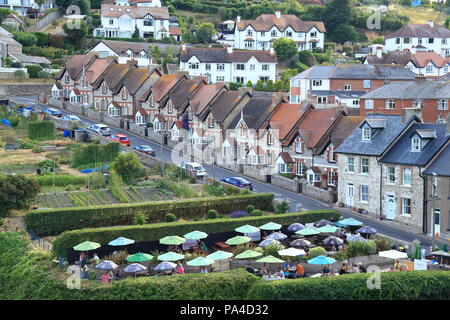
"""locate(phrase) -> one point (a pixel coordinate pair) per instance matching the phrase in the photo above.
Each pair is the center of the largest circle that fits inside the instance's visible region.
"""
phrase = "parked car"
(238, 182)
(121, 138)
(194, 167)
(52, 112)
(69, 117)
(145, 149)
(100, 129)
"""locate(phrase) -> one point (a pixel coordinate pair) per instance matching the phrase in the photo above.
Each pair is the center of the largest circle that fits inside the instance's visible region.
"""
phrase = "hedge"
(54, 221)
(405, 285)
(153, 232)
(32, 275)
(60, 180)
(41, 130)
(93, 154)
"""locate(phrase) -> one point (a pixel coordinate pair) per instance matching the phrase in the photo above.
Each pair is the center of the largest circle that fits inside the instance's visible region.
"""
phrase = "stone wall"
(12, 90)
(55, 103)
(94, 115)
(254, 173)
(8, 73)
(285, 183)
(74, 108)
(328, 196)
(114, 121)
(136, 129)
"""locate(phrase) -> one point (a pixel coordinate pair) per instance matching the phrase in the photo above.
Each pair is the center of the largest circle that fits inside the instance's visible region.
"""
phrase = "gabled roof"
(421, 31)
(401, 153)
(419, 59)
(114, 75)
(425, 89)
(440, 165)
(285, 117)
(266, 21)
(379, 142)
(29, 59)
(163, 85)
(181, 92)
(97, 68)
(204, 94)
(224, 104)
(159, 13)
(221, 55)
(75, 65)
(135, 78)
(120, 47)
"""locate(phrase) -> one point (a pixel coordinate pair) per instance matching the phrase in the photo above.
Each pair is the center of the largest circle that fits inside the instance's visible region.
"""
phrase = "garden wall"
(328, 196)
(285, 183)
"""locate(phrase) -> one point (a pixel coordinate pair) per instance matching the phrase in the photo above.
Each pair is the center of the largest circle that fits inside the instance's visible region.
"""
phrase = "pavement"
(388, 228)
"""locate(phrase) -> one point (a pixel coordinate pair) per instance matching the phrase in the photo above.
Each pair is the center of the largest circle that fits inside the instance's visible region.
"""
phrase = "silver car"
(100, 129)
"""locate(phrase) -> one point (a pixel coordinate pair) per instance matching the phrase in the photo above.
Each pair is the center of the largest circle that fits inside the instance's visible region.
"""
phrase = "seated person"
(250, 269)
(344, 269)
(263, 272)
(326, 271)
(300, 271)
(279, 273)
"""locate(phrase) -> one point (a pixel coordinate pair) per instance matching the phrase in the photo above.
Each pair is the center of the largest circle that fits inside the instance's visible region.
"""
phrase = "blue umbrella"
(351, 222)
(337, 223)
(321, 260)
(332, 241)
(296, 227)
(106, 265)
(268, 242)
(367, 230)
(121, 241)
(134, 267)
(165, 266)
(353, 237)
(276, 236)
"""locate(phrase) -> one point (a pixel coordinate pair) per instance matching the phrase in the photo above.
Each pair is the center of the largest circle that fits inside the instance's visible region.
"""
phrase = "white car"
(100, 129)
(195, 167)
(70, 118)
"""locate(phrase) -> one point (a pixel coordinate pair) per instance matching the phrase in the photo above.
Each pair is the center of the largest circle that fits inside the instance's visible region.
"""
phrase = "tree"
(16, 193)
(33, 70)
(447, 21)
(43, 75)
(269, 86)
(406, 3)
(337, 17)
(279, 86)
(204, 32)
(128, 167)
(306, 57)
(259, 85)
(378, 40)
(135, 34)
(249, 84)
(20, 74)
(76, 34)
(285, 48)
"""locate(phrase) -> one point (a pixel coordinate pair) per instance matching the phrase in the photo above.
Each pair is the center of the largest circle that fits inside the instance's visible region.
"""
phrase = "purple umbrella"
(295, 227)
(367, 229)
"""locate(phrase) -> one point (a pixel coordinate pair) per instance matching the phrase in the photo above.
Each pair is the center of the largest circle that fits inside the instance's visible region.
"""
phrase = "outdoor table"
(317, 275)
(222, 245)
(270, 278)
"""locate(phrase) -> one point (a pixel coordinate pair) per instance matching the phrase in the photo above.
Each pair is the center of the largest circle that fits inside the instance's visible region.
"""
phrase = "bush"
(382, 244)
(139, 219)
(94, 154)
(33, 71)
(317, 251)
(212, 214)
(42, 130)
(215, 189)
(154, 232)
(360, 248)
(16, 193)
(282, 207)
(60, 180)
(257, 213)
(54, 221)
(250, 208)
(170, 217)
(128, 167)
(117, 187)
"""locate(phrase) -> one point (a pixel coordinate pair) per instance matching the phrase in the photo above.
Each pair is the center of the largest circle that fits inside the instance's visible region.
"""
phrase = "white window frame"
(351, 164)
(406, 206)
(416, 145)
(366, 133)
(390, 172)
(364, 167)
(406, 181)
(363, 196)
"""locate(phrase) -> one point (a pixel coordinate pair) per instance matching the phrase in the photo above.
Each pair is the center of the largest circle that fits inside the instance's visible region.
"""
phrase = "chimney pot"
(238, 18)
(278, 14)
(230, 49)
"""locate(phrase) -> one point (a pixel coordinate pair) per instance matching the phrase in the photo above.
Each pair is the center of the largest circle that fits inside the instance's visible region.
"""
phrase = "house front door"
(437, 221)
(390, 207)
(350, 195)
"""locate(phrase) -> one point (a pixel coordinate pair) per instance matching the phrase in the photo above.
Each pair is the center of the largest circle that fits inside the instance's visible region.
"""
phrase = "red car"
(122, 138)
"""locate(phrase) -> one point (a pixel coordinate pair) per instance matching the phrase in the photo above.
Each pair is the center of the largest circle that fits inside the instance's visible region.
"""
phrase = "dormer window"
(366, 133)
(415, 145)
(418, 103)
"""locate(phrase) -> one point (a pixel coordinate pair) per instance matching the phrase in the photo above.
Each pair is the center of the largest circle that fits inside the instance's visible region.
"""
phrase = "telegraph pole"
(433, 225)
(162, 156)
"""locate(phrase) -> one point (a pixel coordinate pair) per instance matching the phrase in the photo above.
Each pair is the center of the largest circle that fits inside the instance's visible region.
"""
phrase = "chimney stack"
(244, 90)
(409, 112)
(277, 97)
(180, 74)
(431, 23)
(271, 51)
(278, 14)
(238, 18)
(230, 49)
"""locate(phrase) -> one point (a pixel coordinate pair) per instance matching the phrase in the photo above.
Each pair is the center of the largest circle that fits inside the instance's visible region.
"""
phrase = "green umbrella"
(248, 254)
(271, 226)
(200, 262)
(417, 254)
(247, 229)
(139, 257)
(328, 229)
(238, 240)
(172, 240)
(445, 248)
(171, 256)
(308, 232)
(219, 255)
(196, 235)
(270, 259)
(86, 246)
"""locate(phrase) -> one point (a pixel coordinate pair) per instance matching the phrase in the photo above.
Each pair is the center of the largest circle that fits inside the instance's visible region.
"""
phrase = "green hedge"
(407, 285)
(95, 154)
(60, 180)
(41, 130)
(153, 232)
(55, 221)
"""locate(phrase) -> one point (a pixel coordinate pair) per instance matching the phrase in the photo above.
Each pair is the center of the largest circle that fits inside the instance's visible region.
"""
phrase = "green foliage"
(170, 217)
(204, 32)
(249, 84)
(256, 213)
(285, 48)
(317, 251)
(20, 74)
(94, 154)
(139, 218)
(361, 248)
(259, 85)
(234, 86)
(135, 34)
(128, 167)
(272, 250)
(117, 187)
(282, 207)
(382, 244)
(306, 57)
(41, 130)
(215, 189)
(156, 231)
(54, 221)
(212, 214)
(341, 255)
(33, 70)
(378, 40)
(16, 192)
(250, 208)
(406, 3)
(76, 34)
(269, 86)
(26, 38)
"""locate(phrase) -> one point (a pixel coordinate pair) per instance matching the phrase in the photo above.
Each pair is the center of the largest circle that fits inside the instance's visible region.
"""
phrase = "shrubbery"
(212, 214)
(41, 130)
(170, 217)
(317, 251)
(95, 154)
(60, 180)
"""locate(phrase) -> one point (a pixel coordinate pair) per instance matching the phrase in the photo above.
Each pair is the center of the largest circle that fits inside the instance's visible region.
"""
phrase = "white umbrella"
(393, 254)
(292, 252)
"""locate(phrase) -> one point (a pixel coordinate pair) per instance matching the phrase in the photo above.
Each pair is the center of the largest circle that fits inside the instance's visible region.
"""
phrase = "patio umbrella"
(328, 229)
(321, 260)
(322, 223)
(238, 240)
(86, 246)
(270, 259)
(367, 230)
(247, 229)
(332, 241)
(247, 254)
(276, 236)
(219, 255)
(393, 254)
(200, 262)
(139, 257)
(134, 267)
(351, 222)
(292, 252)
(417, 254)
(121, 241)
(196, 235)
(308, 231)
(106, 265)
(356, 238)
(171, 256)
(295, 227)
(172, 240)
(271, 226)
(302, 243)
(268, 242)
(445, 248)
(337, 223)
(165, 266)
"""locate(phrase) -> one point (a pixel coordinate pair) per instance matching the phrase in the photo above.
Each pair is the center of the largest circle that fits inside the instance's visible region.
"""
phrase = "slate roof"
(401, 153)
(379, 142)
(135, 78)
(419, 59)
(256, 111)
(425, 89)
(221, 55)
(266, 21)
(75, 64)
(204, 95)
(114, 75)
(441, 165)
(421, 31)
(29, 59)
(163, 85)
(120, 47)
(343, 94)
(224, 104)
(180, 94)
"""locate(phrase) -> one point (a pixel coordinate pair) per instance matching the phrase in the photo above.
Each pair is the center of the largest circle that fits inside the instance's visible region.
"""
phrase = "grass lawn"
(200, 17)
(419, 14)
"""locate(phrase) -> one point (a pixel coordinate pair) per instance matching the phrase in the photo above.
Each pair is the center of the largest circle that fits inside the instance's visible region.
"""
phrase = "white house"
(430, 36)
(121, 21)
(259, 34)
(228, 64)
(125, 51)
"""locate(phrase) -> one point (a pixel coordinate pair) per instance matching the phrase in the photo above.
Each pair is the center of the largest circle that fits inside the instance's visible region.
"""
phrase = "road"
(297, 200)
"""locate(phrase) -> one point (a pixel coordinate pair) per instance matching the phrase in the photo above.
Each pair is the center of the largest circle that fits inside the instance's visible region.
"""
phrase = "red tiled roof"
(286, 157)
(176, 31)
(315, 124)
(163, 85)
(266, 21)
(285, 117)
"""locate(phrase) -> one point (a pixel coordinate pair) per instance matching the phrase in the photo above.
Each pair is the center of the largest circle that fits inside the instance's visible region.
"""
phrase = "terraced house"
(259, 34)
(124, 51)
